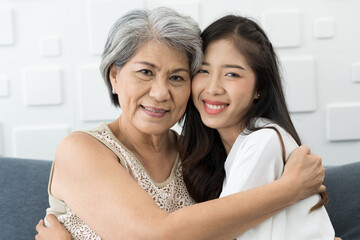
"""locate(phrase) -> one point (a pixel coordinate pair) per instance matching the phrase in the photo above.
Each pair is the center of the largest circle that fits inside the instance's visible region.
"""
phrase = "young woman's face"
(153, 87)
(223, 90)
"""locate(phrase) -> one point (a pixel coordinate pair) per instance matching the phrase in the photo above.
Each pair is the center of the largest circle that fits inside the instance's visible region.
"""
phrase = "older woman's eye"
(177, 78)
(146, 71)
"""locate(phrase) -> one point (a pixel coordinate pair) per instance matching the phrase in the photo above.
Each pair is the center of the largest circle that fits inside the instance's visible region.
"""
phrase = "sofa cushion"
(343, 187)
(23, 196)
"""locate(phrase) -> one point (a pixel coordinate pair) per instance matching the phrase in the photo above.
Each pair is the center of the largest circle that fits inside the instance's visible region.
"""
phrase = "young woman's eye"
(202, 71)
(177, 78)
(232, 75)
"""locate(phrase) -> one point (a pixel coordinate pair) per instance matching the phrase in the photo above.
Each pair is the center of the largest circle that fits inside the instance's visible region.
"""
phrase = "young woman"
(238, 114)
(123, 180)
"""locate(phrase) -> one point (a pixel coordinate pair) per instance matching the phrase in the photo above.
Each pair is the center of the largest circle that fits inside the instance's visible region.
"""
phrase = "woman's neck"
(132, 138)
(157, 153)
(228, 136)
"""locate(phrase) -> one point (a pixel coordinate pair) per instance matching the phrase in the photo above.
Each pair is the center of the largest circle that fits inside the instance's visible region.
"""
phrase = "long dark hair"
(201, 149)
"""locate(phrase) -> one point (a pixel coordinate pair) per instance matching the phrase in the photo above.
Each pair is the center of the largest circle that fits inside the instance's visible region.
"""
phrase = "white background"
(50, 83)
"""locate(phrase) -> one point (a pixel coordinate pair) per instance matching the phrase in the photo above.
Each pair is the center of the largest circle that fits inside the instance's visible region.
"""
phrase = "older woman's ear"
(112, 76)
(112, 73)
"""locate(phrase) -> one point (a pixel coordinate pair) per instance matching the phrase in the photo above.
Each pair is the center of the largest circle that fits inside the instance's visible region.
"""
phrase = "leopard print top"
(169, 195)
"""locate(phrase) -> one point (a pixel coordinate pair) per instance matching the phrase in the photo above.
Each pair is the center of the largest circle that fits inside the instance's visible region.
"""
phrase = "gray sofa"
(23, 198)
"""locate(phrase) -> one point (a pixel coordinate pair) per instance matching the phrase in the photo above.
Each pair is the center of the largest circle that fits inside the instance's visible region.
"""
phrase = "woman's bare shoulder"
(79, 145)
(79, 156)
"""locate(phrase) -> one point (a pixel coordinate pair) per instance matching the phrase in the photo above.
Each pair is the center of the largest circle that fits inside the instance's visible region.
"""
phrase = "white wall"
(50, 83)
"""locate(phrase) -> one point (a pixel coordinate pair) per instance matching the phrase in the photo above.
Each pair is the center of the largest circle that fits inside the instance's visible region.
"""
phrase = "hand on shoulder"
(305, 172)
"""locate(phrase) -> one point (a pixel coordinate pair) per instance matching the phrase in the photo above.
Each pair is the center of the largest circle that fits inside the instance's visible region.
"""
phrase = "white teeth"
(215, 107)
(154, 111)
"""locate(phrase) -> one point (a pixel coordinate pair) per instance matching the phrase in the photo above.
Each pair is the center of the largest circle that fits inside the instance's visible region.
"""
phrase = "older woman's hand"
(56, 232)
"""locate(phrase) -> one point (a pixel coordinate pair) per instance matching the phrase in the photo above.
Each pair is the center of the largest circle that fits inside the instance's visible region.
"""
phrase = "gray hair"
(138, 27)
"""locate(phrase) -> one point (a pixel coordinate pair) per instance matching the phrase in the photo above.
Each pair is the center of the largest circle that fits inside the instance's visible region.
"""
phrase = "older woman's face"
(153, 87)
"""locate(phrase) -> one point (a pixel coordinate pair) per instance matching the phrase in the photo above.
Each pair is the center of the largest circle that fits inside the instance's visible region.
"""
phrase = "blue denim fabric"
(343, 187)
(23, 196)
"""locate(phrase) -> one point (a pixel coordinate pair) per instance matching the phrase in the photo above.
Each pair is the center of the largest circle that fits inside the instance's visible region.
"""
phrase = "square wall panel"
(50, 46)
(6, 27)
(342, 122)
(324, 28)
(102, 15)
(186, 7)
(284, 28)
(38, 142)
(356, 72)
(95, 99)
(300, 83)
(4, 87)
(43, 86)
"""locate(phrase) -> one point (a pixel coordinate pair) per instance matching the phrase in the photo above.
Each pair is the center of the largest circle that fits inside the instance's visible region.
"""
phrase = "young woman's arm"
(90, 180)
(256, 159)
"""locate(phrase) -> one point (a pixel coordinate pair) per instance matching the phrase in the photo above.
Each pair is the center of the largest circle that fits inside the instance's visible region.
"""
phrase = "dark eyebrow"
(149, 64)
(233, 66)
(180, 70)
(226, 65)
(156, 67)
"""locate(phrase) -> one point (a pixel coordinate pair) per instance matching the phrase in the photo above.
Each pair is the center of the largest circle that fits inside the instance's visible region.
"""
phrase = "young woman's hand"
(56, 232)
(305, 172)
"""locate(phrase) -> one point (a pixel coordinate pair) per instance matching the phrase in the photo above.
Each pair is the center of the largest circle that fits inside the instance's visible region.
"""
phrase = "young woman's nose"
(160, 89)
(214, 86)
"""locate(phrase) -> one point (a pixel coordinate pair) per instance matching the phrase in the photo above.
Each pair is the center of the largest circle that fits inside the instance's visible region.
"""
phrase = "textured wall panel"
(324, 28)
(95, 100)
(38, 142)
(284, 28)
(190, 8)
(43, 86)
(343, 122)
(103, 15)
(300, 86)
(356, 72)
(4, 87)
(50, 47)
(6, 27)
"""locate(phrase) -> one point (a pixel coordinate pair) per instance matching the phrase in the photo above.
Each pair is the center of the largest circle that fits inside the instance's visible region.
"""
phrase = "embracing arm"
(121, 209)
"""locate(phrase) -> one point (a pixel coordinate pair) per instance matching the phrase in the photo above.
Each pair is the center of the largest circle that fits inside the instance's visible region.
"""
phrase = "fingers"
(322, 189)
(304, 149)
(52, 220)
(316, 158)
(318, 168)
(40, 226)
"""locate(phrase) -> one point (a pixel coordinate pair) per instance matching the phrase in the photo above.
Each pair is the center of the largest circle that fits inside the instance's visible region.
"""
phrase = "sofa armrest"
(23, 196)
(343, 187)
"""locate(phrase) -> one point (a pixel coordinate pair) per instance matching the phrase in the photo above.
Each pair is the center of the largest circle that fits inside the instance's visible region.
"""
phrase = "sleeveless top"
(169, 195)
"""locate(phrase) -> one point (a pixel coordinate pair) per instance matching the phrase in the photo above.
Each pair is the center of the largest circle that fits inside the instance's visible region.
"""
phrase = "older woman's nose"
(160, 90)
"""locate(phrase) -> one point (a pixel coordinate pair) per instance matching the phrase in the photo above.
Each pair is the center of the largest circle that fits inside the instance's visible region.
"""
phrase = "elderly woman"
(123, 180)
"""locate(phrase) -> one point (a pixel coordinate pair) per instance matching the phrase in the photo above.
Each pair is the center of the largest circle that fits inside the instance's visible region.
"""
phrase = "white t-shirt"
(255, 160)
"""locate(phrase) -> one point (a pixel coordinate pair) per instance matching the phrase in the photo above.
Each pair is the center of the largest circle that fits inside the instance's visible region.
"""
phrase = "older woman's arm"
(88, 177)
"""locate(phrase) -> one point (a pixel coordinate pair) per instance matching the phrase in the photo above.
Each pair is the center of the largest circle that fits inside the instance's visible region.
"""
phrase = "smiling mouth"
(215, 107)
(154, 110)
